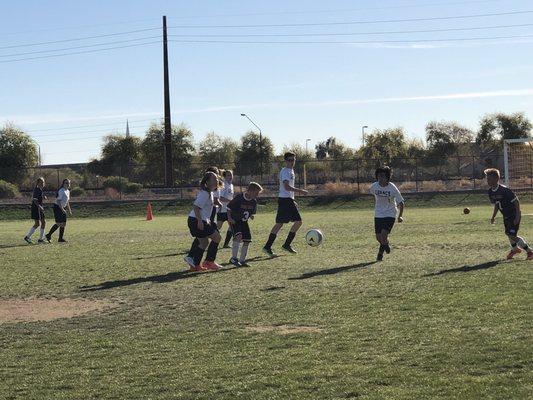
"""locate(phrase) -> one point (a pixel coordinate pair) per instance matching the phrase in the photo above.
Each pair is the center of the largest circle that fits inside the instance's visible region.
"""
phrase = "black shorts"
(59, 215)
(510, 228)
(242, 228)
(222, 216)
(384, 223)
(208, 230)
(36, 213)
(287, 211)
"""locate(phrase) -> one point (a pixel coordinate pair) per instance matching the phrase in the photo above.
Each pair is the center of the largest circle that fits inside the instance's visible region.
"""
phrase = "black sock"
(198, 253)
(381, 248)
(53, 229)
(212, 250)
(194, 245)
(61, 232)
(270, 241)
(229, 234)
(290, 238)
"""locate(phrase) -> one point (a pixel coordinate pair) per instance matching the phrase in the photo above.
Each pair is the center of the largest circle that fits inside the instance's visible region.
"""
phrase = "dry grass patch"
(283, 329)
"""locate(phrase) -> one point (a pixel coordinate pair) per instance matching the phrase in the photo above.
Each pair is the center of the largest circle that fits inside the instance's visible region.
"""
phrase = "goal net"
(518, 163)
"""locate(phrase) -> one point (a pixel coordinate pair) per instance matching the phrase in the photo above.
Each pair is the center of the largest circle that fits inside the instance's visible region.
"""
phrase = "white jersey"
(63, 197)
(227, 193)
(387, 198)
(204, 201)
(286, 174)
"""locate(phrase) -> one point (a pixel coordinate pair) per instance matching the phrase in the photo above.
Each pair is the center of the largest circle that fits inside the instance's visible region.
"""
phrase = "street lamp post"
(260, 142)
(363, 133)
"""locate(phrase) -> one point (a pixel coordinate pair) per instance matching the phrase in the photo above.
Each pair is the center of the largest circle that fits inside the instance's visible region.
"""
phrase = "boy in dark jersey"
(240, 210)
(507, 203)
(37, 212)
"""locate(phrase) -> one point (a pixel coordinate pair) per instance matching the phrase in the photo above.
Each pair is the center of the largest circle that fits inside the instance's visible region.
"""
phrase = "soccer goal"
(518, 162)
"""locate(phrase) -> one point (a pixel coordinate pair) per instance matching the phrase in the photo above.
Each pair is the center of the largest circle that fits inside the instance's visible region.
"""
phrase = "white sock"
(235, 249)
(244, 251)
(30, 232)
(522, 243)
(41, 237)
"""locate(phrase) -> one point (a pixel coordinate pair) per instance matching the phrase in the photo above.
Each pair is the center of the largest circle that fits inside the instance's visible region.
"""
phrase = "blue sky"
(294, 91)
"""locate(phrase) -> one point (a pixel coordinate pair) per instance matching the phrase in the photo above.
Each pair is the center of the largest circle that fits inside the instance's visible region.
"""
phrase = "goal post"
(518, 162)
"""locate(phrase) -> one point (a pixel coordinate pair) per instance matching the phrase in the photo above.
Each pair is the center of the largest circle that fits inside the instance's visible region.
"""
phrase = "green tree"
(153, 153)
(17, 153)
(120, 154)
(217, 150)
(252, 153)
(334, 149)
(382, 146)
(494, 128)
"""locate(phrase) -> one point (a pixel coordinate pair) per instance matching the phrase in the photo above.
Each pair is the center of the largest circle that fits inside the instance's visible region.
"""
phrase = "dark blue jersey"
(505, 199)
(38, 195)
(242, 208)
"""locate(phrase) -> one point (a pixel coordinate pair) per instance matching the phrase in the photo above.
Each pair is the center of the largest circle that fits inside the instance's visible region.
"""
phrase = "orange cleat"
(211, 266)
(513, 253)
(197, 268)
(529, 255)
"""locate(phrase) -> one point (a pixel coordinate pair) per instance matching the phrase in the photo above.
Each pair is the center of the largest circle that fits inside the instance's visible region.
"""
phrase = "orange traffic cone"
(149, 214)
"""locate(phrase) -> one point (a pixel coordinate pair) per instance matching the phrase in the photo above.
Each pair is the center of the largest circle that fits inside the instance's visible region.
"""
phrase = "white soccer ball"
(314, 237)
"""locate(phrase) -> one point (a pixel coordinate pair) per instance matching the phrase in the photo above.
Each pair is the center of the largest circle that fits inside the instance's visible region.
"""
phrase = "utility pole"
(169, 171)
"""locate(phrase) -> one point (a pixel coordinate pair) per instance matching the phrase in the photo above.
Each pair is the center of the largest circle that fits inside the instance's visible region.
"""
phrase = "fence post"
(416, 175)
(358, 188)
(474, 170)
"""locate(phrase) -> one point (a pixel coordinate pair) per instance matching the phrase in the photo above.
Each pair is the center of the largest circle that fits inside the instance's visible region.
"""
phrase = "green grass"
(440, 318)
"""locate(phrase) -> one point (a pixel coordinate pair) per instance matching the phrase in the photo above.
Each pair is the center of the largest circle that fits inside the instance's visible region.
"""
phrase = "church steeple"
(127, 129)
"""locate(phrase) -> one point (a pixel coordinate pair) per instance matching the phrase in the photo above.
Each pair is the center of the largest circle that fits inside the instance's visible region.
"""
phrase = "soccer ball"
(466, 211)
(314, 237)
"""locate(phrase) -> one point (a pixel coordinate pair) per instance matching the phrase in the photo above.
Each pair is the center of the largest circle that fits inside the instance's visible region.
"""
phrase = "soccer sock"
(61, 232)
(198, 253)
(522, 243)
(244, 251)
(41, 234)
(53, 229)
(194, 245)
(212, 251)
(270, 242)
(229, 234)
(290, 238)
(235, 249)
(30, 232)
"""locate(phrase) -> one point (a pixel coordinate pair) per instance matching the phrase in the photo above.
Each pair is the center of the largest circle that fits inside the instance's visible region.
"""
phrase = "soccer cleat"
(289, 249)
(386, 247)
(196, 268)
(41, 241)
(529, 255)
(190, 262)
(380, 256)
(244, 264)
(269, 252)
(48, 238)
(235, 262)
(62, 241)
(27, 240)
(513, 252)
(211, 266)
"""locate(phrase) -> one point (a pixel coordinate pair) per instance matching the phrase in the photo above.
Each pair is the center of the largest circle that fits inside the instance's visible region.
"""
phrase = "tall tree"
(17, 153)
(217, 150)
(120, 154)
(253, 153)
(384, 145)
(332, 148)
(494, 128)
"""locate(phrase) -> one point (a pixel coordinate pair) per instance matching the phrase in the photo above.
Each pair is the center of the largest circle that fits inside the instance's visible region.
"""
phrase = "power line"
(383, 21)
(355, 42)
(354, 33)
(79, 47)
(72, 140)
(93, 125)
(79, 52)
(111, 131)
(78, 39)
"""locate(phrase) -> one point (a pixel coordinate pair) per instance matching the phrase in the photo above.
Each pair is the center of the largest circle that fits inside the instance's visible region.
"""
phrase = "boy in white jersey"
(225, 196)
(287, 207)
(388, 201)
(61, 205)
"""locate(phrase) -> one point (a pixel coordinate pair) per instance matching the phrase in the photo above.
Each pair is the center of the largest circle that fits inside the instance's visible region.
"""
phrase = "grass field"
(443, 317)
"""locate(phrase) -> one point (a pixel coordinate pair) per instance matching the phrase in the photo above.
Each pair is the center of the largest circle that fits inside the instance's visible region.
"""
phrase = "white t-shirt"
(286, 174)
(227, 193)
(63, 197)
(387, 199)
(204, 201)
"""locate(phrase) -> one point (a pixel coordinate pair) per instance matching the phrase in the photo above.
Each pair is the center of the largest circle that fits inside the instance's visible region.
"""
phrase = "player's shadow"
(11, 246)
(181, 253)
(466, 268)
(331, 271)
(166, 278)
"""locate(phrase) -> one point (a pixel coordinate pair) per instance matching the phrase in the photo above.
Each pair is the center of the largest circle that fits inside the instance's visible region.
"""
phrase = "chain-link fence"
(320, 177)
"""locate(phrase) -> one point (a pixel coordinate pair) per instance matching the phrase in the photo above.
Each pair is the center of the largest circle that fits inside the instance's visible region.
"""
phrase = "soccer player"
(201, 226)
(388, 201)
(287, 207)
(225, 196)
(61, 205)
(506, 201)
(241, 209)
(37, 212)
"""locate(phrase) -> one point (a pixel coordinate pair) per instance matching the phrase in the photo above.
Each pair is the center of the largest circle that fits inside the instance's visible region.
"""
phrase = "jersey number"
(246, 215)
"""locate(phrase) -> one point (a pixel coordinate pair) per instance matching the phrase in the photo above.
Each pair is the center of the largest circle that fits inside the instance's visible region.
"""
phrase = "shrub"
(115, 182)
(8, 190)
(132, 187)
(77, 192)
(340, 188)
